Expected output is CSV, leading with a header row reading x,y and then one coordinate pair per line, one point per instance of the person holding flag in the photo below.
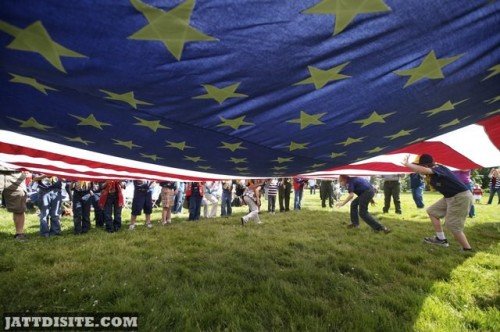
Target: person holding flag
x,y
453,207
359,205
49,202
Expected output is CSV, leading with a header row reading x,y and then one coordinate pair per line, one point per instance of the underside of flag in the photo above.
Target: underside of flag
x,y
217,89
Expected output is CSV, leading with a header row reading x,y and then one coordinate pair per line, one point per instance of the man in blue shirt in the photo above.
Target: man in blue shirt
x,y
365,192
454,206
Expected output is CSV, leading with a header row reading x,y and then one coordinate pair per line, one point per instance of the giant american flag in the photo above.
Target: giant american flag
x,y
209,89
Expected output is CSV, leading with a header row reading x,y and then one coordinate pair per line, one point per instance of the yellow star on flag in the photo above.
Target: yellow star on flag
x,y
78,140
35,38
431,68
305,120
154,125
495,70
205,168
337,154
351,140
297,146
320,77
179,145
492,100
346,11
317,165
234,123
31,123
90,121
453,122
171,28
127,144
237,160
151,156
220,95
448,106
280,160
127,97
31,82
241,169
401,133
420,139
493,112
279,168
233,147
193,159
373,118
376,149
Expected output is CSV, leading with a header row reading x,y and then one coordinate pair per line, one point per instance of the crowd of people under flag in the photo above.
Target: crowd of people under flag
x,y
53,196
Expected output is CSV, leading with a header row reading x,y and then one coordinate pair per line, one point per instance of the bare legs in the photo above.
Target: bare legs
x,y
459,236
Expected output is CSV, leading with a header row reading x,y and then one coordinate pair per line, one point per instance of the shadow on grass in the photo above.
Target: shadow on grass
x,y
299,270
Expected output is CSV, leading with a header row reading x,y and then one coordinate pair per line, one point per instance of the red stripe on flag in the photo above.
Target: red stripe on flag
x,y
492,129
441,153
13,149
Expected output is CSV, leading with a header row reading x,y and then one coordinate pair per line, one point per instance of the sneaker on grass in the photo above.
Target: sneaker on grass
x,y
20,237
149,225
131,227
437,241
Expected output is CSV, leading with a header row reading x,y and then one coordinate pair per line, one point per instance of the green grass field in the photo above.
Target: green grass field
x,y
299,271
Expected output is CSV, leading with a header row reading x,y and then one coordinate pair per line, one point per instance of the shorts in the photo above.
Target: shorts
x,y
167,197
454,210
13,191
142,201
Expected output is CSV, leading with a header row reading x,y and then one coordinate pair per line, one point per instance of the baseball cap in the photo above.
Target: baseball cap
x,y
424,159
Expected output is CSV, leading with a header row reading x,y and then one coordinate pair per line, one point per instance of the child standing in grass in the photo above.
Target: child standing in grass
x,y
454,206
194,194
168,192
111,202
81,206
142,201
49,202
477,192
272,192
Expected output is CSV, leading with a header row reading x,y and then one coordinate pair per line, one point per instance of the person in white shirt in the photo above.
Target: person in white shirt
x,y
311,183
213,192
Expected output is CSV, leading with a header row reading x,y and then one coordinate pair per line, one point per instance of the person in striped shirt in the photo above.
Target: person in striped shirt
x,y
272,192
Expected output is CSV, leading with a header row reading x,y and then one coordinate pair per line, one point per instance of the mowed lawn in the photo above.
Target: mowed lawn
x,y
300,270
